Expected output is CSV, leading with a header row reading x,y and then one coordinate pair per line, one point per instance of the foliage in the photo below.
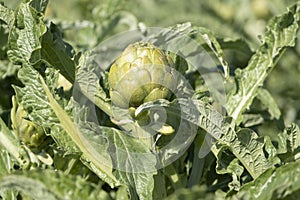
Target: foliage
x,y
61,137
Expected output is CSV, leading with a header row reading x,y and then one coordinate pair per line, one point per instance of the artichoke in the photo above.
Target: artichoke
x,y
28,132
141,74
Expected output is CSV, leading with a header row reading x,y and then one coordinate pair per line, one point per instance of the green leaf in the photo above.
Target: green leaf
x,y
7,69
39,5
30,41
249,149
6,167
43,109
185,39
133,161
9,142
289,142
87,83
6,15
6,163
138,169
227,165
238,45
36,104
141,185
24,37
273,184
244,144
82,143
292,134
250,120
281,33
23,155
266,98
57,53
215,47
50,184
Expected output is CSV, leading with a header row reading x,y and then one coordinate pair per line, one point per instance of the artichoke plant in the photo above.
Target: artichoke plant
x,y
141,74
28,132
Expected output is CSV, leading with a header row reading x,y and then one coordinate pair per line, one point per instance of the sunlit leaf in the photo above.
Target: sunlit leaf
x,y
281,33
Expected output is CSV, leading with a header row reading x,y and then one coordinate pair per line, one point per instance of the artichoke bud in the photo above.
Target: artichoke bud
x,y
141,74
28,132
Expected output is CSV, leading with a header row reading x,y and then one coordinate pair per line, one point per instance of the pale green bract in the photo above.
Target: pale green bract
x,y
28,132
141,74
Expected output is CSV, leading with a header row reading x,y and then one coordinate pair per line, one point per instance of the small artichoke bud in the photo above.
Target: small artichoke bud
x,y
28,132
142,73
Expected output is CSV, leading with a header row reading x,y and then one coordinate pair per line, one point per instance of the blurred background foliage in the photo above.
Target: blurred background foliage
x,y
85,23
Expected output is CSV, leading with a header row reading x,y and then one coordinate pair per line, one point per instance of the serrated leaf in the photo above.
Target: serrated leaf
x,y
44,110
186,34
138,169
39,5
244,144
140,185
6,15
292,134
249,149
30,41
37,105
281,33
133,169
87,83
228,164
50,184
192,43
273,184
24,37
81,142
289,142
133,161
